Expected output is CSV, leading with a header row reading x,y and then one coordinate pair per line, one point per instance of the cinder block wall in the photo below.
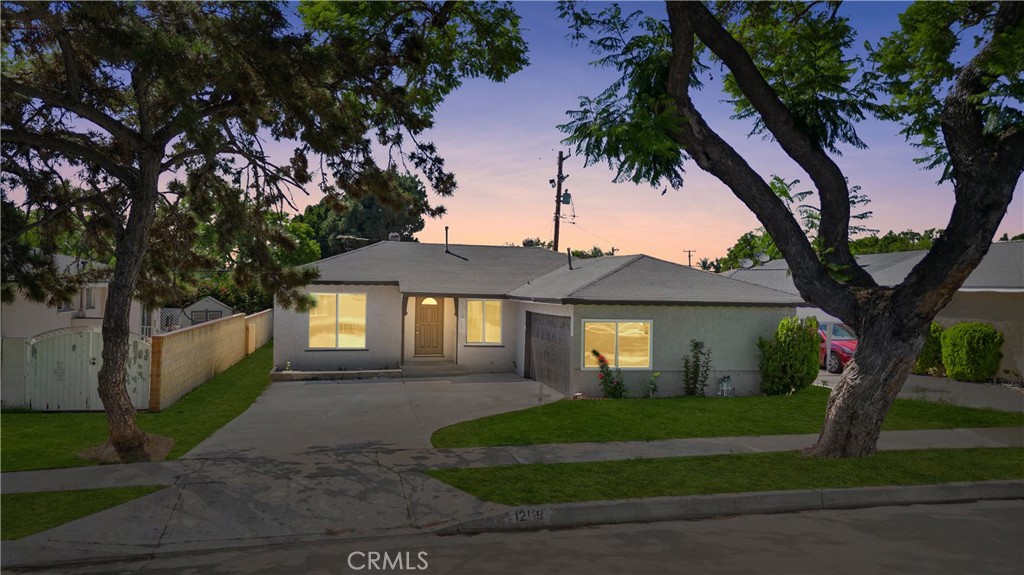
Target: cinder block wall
x,y
258,329
187,358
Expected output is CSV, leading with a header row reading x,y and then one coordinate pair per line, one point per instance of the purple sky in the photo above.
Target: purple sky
x,y
501,141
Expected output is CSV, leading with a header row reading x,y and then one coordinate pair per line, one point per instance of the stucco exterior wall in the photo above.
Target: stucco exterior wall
x,y
13,367
383,334
490,358
1005,311
24,318
729,332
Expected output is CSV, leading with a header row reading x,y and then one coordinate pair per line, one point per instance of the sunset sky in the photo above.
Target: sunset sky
x,y
502,142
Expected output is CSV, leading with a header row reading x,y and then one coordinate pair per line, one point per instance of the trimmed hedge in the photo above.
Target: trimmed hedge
x,y
971,351
789,361
929,362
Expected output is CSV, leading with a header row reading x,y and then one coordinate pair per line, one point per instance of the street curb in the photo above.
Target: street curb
x,y
571,515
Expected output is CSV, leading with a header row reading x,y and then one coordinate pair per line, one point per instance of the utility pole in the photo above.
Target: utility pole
x,y
689,257
557,184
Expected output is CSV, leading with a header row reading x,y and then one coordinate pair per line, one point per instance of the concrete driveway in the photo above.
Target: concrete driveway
x,y
297,418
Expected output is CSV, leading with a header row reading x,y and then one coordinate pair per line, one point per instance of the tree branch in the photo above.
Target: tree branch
x,y
111,125
714,155
798,145
73,149
986,167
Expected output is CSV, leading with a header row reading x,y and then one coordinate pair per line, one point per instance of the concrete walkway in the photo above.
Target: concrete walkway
x,y
325,460
221,502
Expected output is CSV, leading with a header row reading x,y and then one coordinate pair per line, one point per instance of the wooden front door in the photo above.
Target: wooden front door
x,y
429,326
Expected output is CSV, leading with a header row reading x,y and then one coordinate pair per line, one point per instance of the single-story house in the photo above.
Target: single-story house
x,y
206,309
477,309
25,318
993,293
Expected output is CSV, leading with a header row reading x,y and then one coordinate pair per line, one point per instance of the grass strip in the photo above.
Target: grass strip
x,y
24,514
679,417
33,440
699,475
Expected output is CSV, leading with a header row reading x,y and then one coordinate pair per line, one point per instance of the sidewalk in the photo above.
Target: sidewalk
x,y
223,502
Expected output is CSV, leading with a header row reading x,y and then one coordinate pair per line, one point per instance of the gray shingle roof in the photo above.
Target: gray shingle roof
x,y
642,279
426,269
1002,268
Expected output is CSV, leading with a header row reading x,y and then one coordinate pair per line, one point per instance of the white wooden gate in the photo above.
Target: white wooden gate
x,y
63,368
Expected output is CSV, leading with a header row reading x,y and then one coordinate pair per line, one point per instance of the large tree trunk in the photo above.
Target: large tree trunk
x,y
866,389
125,436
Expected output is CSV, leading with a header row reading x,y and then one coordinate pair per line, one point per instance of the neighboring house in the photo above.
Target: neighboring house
x,y
993,293
206,309
52,355
526,310
24,318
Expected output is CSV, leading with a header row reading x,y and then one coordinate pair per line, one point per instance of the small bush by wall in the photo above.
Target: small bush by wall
x,y
929,362
971,351
789,361
696,368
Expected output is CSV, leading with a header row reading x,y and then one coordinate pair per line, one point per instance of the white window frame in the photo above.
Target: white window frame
x,y
90,298
483,323
586,352
337,315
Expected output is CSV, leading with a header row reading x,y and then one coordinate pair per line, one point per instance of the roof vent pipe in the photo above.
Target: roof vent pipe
x,y
446,240
568,254
394,237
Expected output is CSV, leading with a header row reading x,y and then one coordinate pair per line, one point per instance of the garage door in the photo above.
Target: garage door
x,y
548,345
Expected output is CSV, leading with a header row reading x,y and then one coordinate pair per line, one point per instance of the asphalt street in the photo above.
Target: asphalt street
x,y
982,537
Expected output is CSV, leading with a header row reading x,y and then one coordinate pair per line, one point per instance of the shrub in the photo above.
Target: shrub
x,y
789,361
930,360
971,351
612,385
696,368
652,384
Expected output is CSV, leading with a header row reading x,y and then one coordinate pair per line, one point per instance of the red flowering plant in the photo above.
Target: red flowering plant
x,y
610,380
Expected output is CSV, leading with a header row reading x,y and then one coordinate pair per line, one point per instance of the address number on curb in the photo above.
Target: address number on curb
x,y
527,515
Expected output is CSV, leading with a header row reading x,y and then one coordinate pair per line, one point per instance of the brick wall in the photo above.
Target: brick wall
x,y
187,358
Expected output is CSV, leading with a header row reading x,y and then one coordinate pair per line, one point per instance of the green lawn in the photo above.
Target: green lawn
x,y
22,514
566,482
668,418
51,440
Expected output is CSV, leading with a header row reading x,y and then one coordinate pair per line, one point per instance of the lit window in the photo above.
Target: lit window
x,y
338,321
625,344
483,321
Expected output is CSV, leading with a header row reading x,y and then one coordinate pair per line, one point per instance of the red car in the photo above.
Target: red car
x,y
844,344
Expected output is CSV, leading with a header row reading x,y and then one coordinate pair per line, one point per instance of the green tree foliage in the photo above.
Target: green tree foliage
x,y
758,242
951,75
593,252
971,351
905,241
143,120
929,362
1007,238
789,361
340,226
696,369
